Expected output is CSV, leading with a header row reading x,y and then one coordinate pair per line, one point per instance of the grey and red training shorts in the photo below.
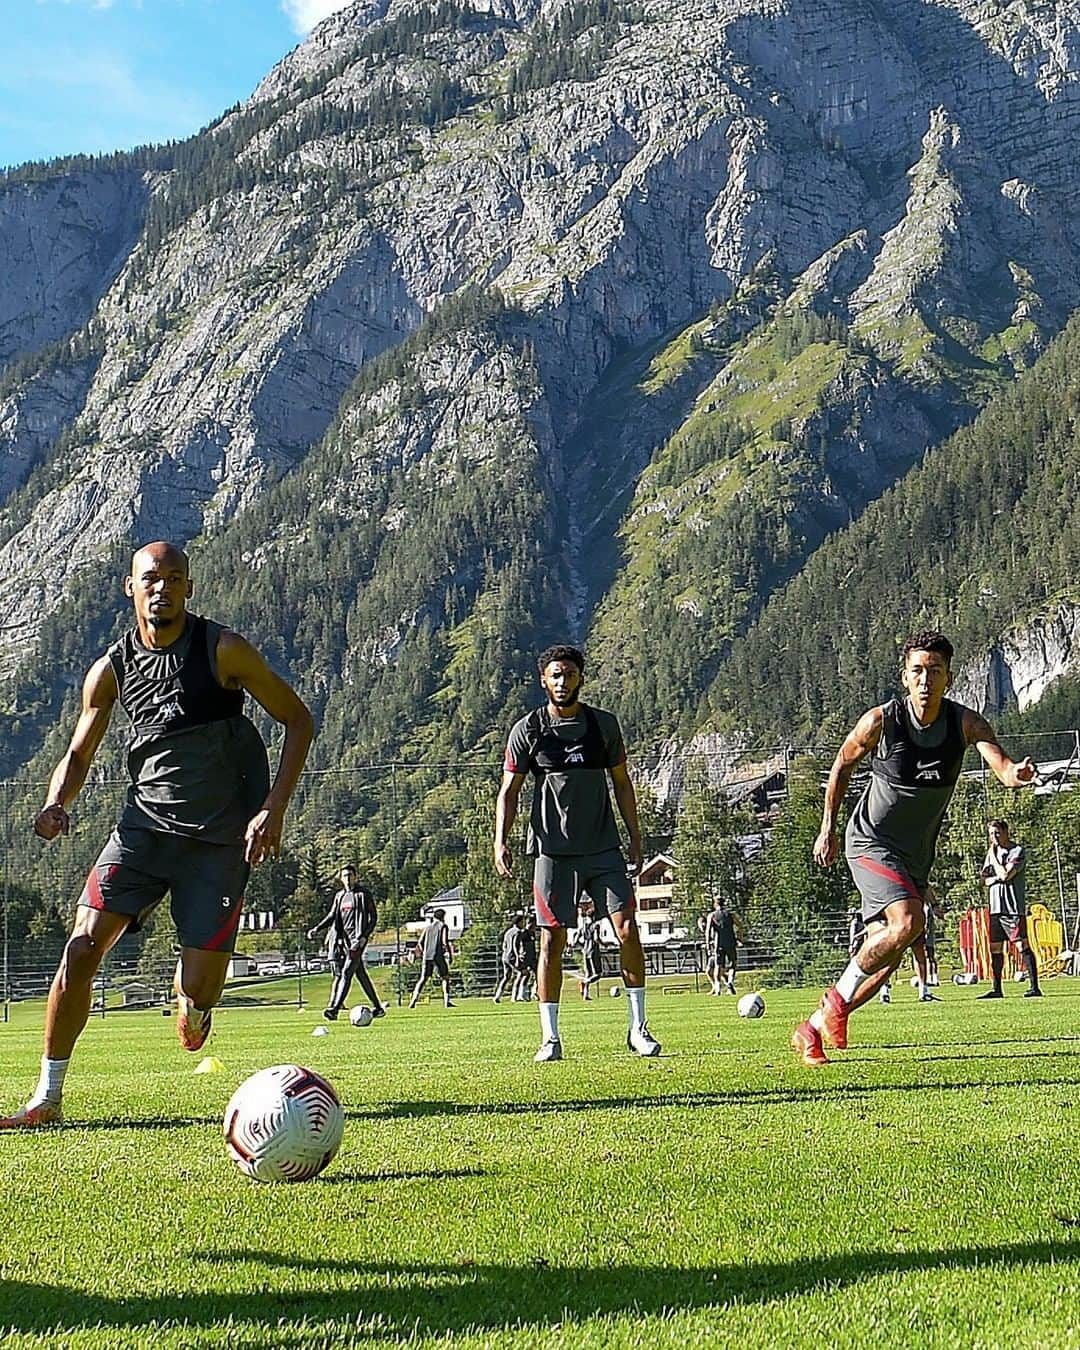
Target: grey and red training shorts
x,y
137,868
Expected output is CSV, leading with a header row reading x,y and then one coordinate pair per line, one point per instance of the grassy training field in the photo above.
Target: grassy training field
x,y
923,1190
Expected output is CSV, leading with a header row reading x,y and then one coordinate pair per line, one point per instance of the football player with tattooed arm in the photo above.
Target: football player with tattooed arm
x,y
916,747
200,809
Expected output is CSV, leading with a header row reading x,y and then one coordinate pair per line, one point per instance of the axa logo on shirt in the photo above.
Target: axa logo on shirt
x,y
171,710
575,755
931,769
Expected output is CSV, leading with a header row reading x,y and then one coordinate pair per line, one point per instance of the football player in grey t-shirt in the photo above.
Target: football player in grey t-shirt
x,y
916,749
572,750
1003,873
436,952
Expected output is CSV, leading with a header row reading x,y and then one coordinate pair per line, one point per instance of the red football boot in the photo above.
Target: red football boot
x,y
806,1042
192,1024
33,1115
834,1016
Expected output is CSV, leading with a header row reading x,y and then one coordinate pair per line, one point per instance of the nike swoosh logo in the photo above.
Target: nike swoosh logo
x,y
928,764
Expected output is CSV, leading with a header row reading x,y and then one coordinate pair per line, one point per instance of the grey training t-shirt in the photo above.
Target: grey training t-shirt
x,y
433,939
571,805
1007,897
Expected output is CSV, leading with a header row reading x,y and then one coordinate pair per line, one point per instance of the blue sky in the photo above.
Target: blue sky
x,y
87,76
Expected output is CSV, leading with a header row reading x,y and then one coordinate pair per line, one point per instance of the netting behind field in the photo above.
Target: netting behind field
x,y
741,825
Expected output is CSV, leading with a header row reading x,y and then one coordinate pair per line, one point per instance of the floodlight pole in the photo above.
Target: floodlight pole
x,y
394,881
1061,889
7,907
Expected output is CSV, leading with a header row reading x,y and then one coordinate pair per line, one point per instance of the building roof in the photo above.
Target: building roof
x,y
451,897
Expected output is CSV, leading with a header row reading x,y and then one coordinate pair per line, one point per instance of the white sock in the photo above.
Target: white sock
x,y
852,980
549,1021
51,1083
635,1005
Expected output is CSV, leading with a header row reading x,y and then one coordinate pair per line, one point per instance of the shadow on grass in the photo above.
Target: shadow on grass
x,y
838,1092
438,1299
138,1123
1072,1041
436,1174
823,1091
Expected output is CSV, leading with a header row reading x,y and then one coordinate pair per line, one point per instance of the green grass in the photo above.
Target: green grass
x,y
924,1190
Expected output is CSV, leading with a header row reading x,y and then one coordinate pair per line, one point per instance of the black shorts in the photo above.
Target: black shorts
x,y
433,964
559,883
725,956
1008,928
206,882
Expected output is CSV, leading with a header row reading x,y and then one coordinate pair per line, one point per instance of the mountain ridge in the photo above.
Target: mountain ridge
x,y
733,267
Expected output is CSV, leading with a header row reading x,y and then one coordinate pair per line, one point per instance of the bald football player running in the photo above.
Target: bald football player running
x,y
916,748
200,809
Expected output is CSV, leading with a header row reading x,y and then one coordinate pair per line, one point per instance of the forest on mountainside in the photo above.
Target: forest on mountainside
x,y
984,533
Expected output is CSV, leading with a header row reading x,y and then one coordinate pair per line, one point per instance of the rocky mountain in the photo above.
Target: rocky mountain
x,y
484,322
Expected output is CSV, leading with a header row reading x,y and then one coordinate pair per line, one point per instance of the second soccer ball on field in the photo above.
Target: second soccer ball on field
x,y
751,1005
361,1016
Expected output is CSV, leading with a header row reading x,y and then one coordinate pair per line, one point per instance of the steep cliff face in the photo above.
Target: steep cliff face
x,y
62,242
1018,670
760,255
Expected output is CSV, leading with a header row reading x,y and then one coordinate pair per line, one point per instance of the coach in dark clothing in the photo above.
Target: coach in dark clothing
x,y
353,918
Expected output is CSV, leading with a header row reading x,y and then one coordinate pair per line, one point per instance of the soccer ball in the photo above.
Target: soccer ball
x,y
283,1124
360,1016
615,991
751,1005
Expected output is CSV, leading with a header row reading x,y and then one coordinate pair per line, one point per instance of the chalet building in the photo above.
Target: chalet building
x,y
655,884
457,913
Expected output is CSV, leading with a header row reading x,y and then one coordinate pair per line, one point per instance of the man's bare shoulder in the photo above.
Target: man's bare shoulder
x,y
975,725
867,729
99,685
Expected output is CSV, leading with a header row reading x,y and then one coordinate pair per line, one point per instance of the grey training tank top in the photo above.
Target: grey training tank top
x,y
197,765
913,773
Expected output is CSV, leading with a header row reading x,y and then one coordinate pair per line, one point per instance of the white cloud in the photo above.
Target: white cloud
x,y
305,14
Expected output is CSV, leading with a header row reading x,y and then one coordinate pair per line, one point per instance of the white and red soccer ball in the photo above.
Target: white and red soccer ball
x,y
283,1124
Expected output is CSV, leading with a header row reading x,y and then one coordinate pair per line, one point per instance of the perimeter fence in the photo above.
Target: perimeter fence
x,y
716,822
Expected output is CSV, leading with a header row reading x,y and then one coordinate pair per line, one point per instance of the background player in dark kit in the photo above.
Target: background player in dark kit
x,y
353,917
1003,872
513,961
436,953
723,932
